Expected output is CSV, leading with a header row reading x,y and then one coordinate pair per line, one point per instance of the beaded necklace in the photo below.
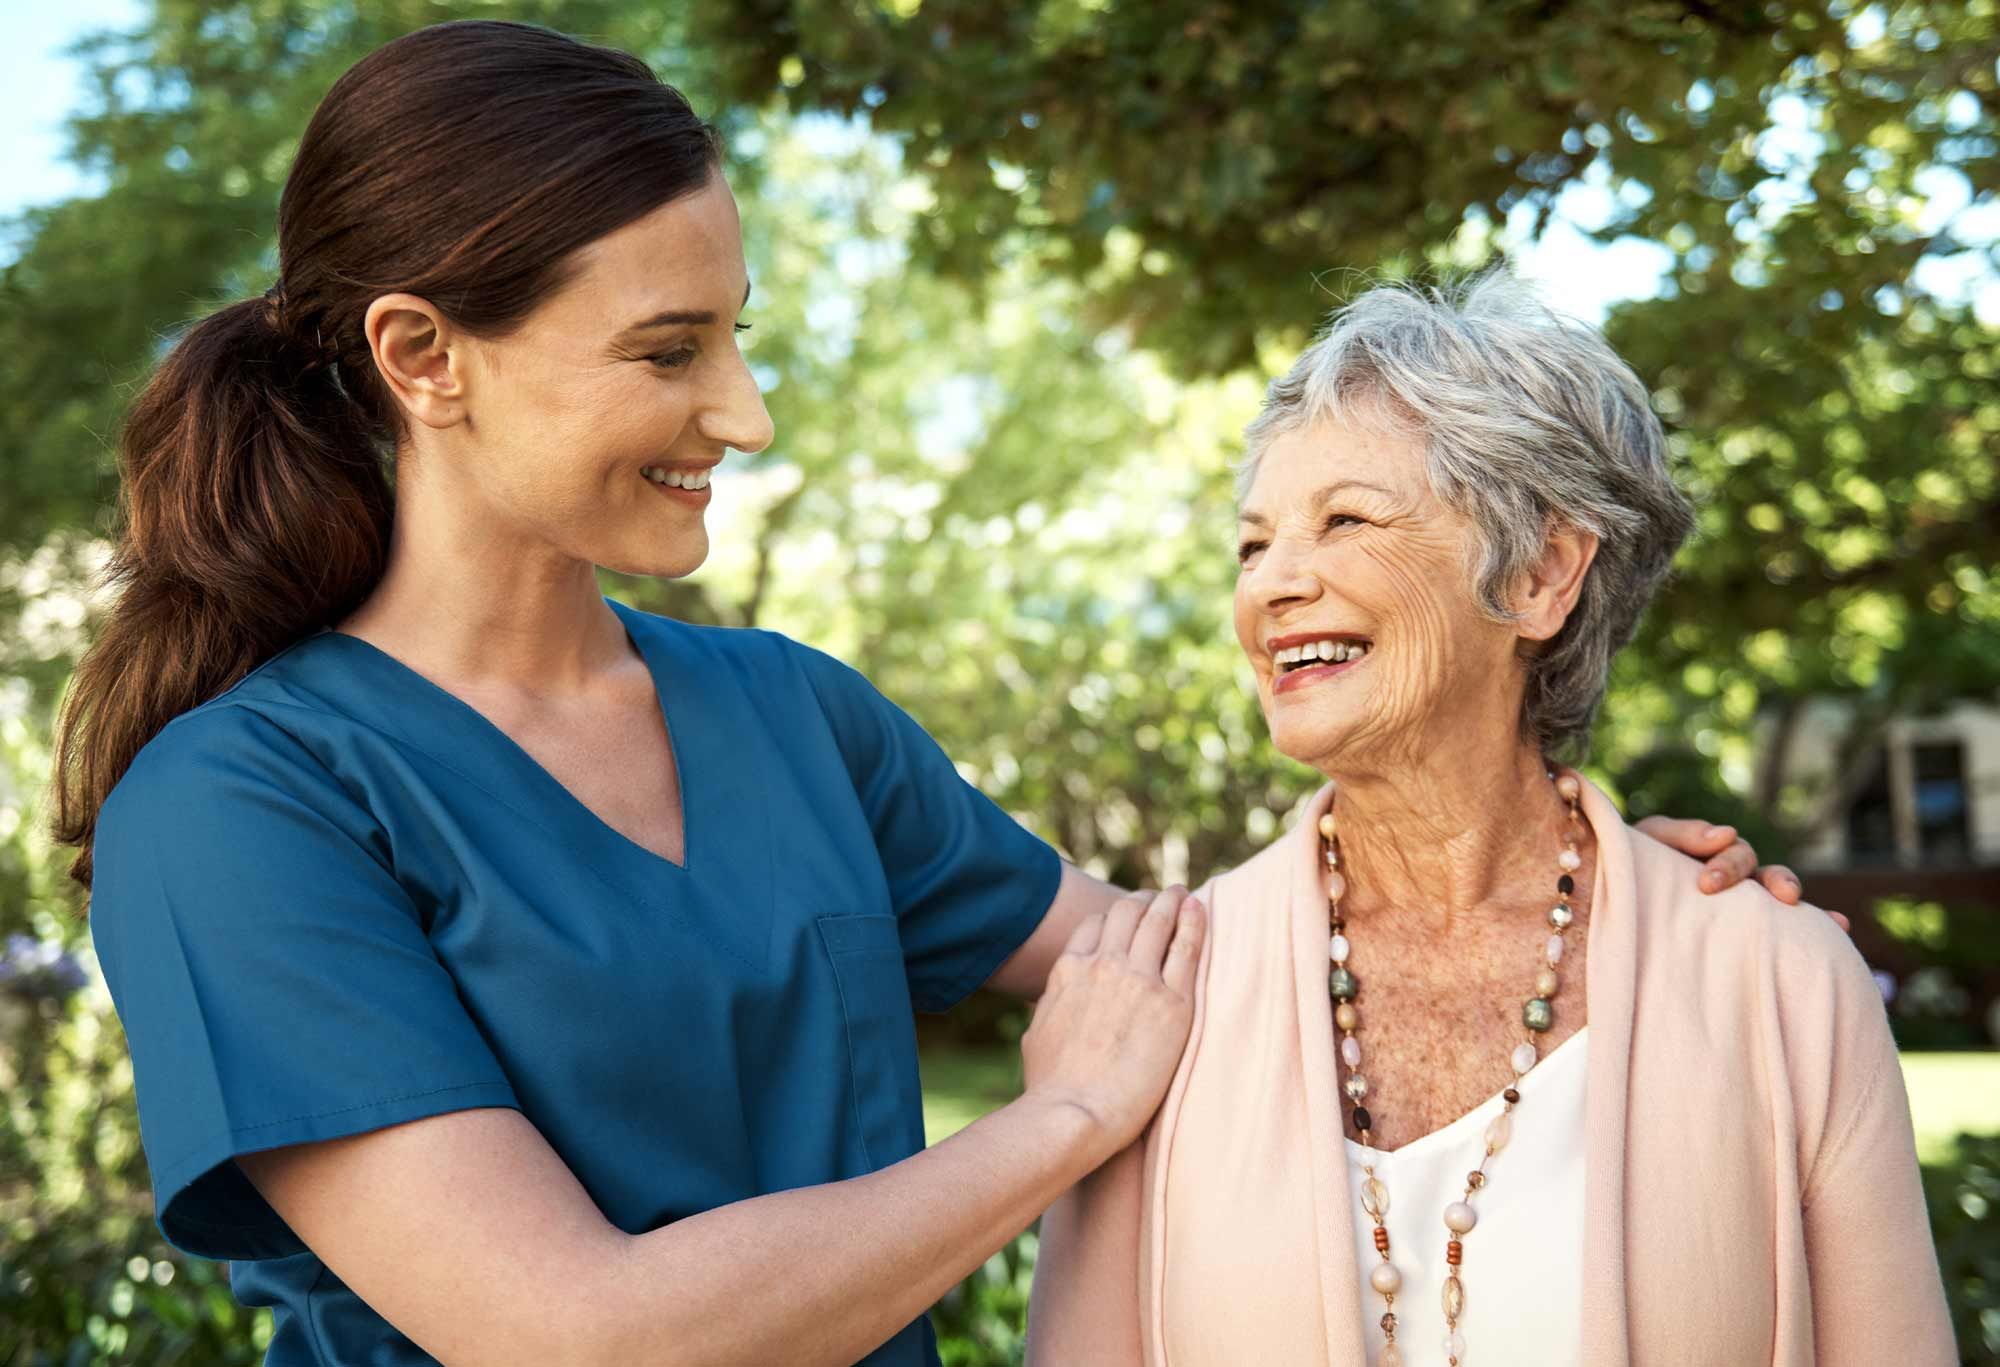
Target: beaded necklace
x,y
1537,1016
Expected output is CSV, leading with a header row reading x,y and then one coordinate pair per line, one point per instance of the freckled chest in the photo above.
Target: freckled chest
x,y
1439,1018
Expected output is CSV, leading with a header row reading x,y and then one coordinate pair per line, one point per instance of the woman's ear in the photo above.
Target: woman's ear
x,y
416,357
1548,592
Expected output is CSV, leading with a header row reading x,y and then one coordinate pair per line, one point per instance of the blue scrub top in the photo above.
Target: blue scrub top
x,y
336,898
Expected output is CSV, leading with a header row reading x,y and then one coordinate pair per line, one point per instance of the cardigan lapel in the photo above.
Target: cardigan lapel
x,y
1340,1283
1610,998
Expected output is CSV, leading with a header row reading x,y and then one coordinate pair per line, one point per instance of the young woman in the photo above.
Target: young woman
x,y
512,976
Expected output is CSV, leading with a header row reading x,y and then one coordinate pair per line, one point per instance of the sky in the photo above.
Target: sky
x,y
1575,273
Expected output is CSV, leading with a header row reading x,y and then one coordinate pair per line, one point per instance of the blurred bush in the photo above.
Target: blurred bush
x,y
1954,950
1964,1199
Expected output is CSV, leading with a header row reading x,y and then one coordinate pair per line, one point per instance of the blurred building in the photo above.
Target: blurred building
x,y
1914,816
1919,805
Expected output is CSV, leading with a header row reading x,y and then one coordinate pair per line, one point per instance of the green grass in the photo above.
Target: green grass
x,y
961,1085
1950,1094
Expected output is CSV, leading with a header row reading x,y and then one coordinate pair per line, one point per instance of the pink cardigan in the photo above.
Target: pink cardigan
x,y
1751,1189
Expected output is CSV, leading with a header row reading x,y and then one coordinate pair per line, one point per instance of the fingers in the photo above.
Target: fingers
x,y
1697,838
1083,940
1729,868
1783,884
1184,954
1120,923
1156,927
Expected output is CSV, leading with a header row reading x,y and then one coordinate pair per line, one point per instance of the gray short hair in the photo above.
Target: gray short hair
x,y
1527,418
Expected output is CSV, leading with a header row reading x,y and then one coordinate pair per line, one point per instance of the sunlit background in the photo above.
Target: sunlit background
x,y
1020,274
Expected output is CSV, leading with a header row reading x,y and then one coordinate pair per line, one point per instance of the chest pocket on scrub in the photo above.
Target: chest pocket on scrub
x,y
867,957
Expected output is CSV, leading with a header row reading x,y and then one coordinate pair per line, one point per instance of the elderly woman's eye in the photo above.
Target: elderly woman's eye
x,y
1349,519
1246,550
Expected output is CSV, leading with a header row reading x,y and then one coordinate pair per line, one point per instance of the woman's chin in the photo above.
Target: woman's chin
x,y
1310,736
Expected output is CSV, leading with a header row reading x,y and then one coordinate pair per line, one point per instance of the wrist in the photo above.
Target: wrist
x,y
1068,1128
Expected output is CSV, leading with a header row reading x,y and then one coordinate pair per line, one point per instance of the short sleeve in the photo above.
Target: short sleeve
x,y
274,979
969,884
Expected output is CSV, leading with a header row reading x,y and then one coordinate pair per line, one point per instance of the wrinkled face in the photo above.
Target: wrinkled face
x,y
1356,604
597,425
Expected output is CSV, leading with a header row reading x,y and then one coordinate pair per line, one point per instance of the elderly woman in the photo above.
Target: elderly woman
x,y
1541,1103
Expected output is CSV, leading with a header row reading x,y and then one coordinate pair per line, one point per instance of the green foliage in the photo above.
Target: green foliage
x,y
1020,272
1964,1198
1956,953
982,1322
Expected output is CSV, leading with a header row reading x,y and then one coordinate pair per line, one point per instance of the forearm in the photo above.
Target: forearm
x,y
822,1275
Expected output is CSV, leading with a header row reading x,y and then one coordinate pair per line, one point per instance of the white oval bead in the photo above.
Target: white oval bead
x,y
1385,1279
1555,950
1524,1058
1499,1132
1392,1356
1336,886
1350,1051
1570,860
1338,947
1374,1197
1459,1217
1326,825
1454,1347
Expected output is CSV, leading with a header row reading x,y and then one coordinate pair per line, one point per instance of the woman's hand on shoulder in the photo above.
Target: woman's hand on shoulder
x,y
1108,1033
1727,859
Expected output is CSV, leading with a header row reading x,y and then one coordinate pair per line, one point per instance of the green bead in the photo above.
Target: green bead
x,y
1342,984
1537,1014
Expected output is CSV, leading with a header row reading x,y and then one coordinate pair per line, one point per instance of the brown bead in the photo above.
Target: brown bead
x,y
1453,1251
1346,1016
1389,1322
1511,1097
1475,1179
1381,1240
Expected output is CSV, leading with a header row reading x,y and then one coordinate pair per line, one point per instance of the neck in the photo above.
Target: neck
x,y
1443,846
464,603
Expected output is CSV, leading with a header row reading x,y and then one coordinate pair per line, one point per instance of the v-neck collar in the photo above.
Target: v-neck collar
x,y
1612,959
431,719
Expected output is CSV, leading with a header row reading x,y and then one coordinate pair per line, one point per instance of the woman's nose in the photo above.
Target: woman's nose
x,y
1282,578
738,418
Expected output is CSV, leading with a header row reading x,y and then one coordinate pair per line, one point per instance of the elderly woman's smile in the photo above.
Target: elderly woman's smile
x,y
1357,603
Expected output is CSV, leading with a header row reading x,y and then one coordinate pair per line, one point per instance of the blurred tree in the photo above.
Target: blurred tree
x,y
1020,270
1199,166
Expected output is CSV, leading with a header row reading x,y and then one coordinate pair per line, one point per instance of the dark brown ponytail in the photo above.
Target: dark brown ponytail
x,y
464,163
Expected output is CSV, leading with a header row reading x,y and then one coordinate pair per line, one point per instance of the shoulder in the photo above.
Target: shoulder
x,y
1251,884
231,774
1743,926
1758,970
753,652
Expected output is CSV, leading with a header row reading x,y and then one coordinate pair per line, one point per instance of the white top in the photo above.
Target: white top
x,y
1523,1262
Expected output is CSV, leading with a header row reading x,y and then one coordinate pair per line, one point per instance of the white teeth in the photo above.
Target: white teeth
x,y
676,479
1330,650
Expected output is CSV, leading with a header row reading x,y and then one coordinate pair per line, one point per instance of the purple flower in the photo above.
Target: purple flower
x,y
37,968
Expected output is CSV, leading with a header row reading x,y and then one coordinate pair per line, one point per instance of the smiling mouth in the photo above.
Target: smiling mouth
x,y
687,485
1295,666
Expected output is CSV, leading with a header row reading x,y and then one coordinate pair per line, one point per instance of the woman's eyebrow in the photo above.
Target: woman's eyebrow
x,y
678,318
1318,496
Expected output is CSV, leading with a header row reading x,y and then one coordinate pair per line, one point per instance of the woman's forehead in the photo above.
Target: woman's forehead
x,y
1320,459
